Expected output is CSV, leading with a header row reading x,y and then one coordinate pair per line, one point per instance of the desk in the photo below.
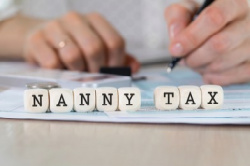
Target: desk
x,y
40,143
52,143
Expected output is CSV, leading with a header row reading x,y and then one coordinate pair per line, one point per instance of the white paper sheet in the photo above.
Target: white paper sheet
x,y
11,103
236,109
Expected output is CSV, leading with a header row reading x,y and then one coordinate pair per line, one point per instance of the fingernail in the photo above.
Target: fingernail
x,y
174,30
177,49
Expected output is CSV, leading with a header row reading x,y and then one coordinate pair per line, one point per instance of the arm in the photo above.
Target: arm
x,y
13,33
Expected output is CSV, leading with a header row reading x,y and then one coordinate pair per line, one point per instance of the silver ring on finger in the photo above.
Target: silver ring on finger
x,y
62,44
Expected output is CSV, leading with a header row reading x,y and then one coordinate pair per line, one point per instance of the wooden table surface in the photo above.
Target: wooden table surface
x,y
59,143
52,143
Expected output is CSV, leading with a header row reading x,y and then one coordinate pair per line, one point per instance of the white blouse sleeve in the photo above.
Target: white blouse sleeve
x,y
8,8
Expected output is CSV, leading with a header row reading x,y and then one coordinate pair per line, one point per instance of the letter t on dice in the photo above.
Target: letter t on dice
x,y
166,97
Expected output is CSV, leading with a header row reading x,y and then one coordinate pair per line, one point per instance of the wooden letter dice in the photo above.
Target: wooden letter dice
x,y
212,96
129,99
190,97
36,100
106,99
61,100
166,98
84,99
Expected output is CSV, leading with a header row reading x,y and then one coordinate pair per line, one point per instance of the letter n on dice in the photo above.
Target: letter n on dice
x,y
36,100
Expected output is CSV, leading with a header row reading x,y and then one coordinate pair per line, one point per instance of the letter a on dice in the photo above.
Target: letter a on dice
x,y
190,97
212,96
129,99
36,100
61,100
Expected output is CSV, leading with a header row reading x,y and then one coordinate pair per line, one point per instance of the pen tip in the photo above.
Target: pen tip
x,y
169,69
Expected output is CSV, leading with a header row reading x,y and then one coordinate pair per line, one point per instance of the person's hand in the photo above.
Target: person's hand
x,y
77,42
217,43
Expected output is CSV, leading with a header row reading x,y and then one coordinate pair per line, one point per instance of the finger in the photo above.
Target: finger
x,y
239,74
113,41
29,57
178,16
70,54
200,70
219,46
89,42
132,63
43,54
230,60
211,20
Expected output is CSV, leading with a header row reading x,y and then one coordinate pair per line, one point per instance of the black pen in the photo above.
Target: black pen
x,y
175,61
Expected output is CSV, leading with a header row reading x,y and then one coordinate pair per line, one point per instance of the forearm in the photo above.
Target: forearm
x,y
13,33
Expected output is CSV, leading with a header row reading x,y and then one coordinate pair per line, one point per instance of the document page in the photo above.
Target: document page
x,y
236,108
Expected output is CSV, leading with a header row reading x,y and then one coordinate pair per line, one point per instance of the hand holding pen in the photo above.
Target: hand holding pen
x,y
216,44
175,61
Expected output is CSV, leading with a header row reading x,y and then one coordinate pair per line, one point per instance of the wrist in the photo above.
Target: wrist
x,y
14,32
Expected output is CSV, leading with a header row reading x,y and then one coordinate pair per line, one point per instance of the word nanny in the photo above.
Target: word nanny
x,y
123,99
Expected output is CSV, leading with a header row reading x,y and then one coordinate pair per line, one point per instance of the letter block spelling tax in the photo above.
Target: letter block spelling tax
x,y
212,96
190,97
166,97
